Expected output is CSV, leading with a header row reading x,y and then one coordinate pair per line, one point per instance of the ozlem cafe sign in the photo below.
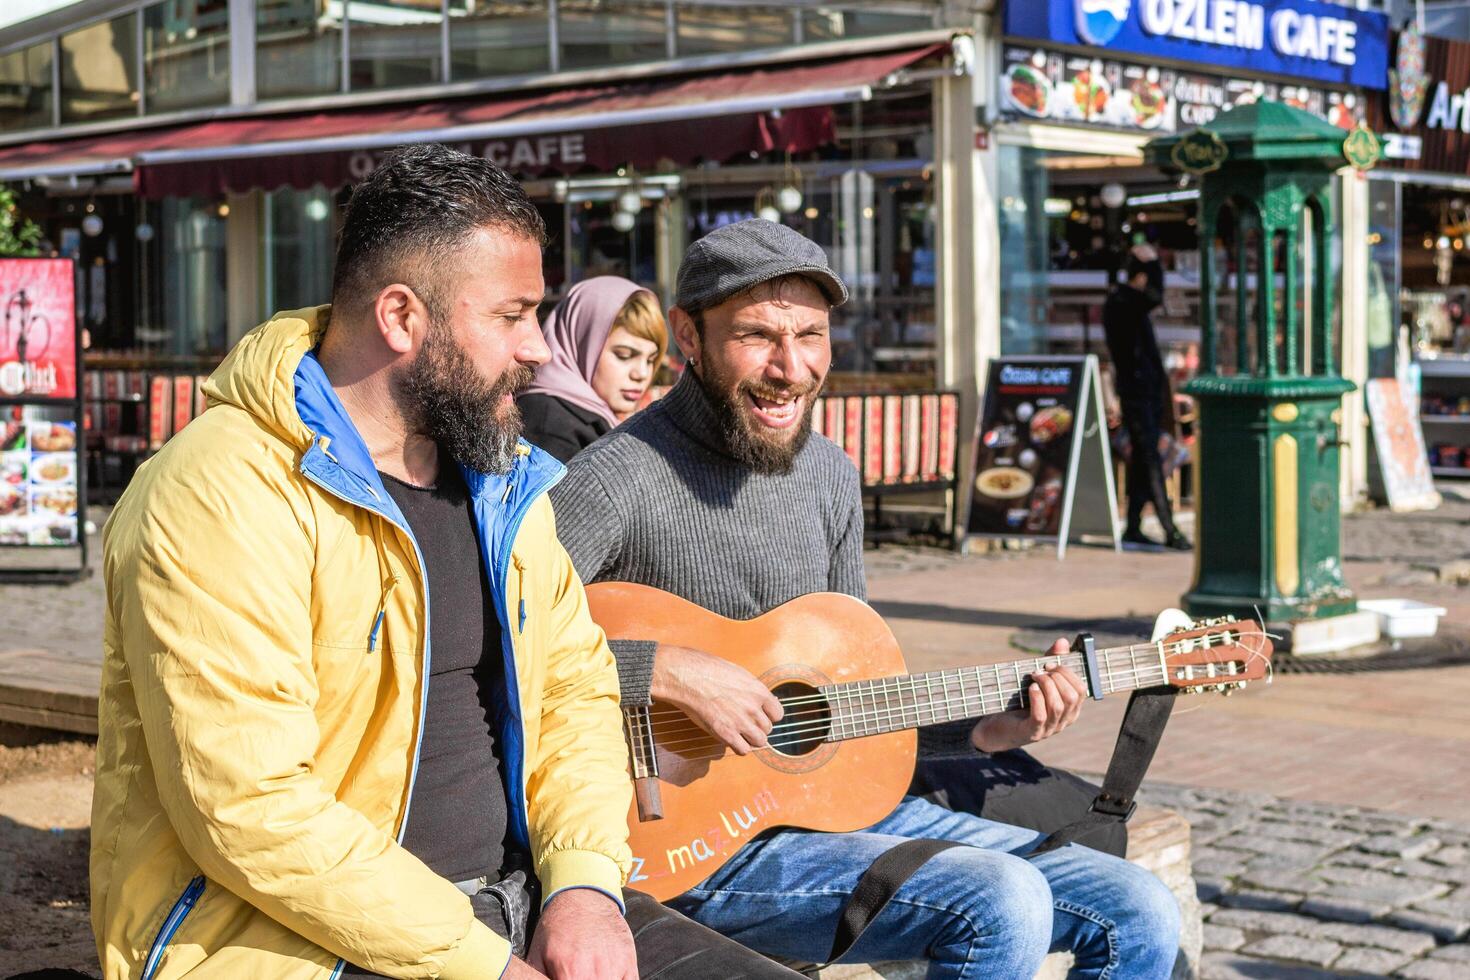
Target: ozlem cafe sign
x,y
1245,25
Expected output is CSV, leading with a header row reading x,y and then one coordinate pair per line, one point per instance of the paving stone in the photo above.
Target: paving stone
x,y
1342,909
1379,962
1233,966
1399,940
1404,848
1441,927
1296,850
1359,859
1307,833
1454,874
1279,863
1453,855
1432,970
1456,952
1280,881
1218,864
1457,907
1266,901
1223,937
1318,952
1369,885
1276,923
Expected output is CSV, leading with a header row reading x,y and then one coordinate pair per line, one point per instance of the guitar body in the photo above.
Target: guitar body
x,y
715,801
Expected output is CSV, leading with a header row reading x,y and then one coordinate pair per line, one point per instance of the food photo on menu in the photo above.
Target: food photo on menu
x,y
1021,467
38,483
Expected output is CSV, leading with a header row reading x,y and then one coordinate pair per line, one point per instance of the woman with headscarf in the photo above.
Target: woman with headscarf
x,y
607,338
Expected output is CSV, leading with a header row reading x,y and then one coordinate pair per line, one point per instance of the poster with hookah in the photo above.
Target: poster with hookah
x,y
38,330
40,460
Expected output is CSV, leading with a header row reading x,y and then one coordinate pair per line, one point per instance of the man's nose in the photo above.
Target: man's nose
x,y
786,362
533,349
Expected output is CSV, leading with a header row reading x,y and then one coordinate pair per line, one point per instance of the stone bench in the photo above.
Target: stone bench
x,y
1158,840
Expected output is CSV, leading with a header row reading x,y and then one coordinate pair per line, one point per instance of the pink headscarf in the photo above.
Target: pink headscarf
x,y
576,331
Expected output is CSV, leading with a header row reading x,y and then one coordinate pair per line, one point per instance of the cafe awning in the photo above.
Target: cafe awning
x,y
709,116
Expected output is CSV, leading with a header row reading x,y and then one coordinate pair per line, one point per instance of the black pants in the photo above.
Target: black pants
x,y
1144,419
1012,787
669,946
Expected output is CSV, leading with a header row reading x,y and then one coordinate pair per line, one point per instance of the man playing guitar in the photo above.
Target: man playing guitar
x,y
719,494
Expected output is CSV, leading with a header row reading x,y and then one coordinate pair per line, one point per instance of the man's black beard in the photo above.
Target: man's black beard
x,y
451,402
745,438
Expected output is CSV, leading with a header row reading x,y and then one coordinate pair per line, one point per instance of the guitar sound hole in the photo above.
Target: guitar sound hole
x,y
807,721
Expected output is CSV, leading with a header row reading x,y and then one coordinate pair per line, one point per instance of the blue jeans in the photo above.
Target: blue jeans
x,y
977,911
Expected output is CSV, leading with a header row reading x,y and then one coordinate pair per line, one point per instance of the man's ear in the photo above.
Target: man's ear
x,y
401,317
685,334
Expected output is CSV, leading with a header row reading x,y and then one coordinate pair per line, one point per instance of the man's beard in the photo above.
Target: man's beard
x,y
447,398
751,443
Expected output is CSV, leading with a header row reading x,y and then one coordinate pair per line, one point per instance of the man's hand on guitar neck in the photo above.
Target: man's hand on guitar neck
x,y
1055,696
724,699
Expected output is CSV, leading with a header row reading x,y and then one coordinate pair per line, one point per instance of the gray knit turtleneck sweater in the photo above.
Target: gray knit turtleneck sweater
x,y
660,502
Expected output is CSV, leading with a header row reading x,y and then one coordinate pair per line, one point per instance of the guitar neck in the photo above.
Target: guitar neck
x,y
890,704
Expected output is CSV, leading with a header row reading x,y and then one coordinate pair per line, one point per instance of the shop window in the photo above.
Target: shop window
x,y
715,27
297,235
99,71
394,43
186,54
611,32
25,88
194,312
1385,241
487,40
1025,250
298,48
835,22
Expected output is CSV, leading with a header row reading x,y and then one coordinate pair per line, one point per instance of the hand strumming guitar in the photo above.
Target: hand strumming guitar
x,y
724,699
1056,697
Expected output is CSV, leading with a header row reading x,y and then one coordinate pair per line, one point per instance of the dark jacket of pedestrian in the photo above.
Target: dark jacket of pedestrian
x,y
1128,326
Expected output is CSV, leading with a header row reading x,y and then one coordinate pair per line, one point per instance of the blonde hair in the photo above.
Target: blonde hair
x,y
642,318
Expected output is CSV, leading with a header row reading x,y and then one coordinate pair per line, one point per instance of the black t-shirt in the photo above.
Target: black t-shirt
x,y
457,811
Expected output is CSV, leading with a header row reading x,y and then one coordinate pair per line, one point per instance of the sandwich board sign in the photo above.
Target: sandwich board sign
x,y
1043,469
1398,442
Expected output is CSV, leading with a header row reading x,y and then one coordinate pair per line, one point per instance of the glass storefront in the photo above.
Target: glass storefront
x,y
192,310
186,54
711,28
298,49
297,241
489,40
25,88
393,44
99,71
835,22
611,32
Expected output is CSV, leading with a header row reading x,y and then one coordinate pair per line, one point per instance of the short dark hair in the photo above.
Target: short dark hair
x,y
405,222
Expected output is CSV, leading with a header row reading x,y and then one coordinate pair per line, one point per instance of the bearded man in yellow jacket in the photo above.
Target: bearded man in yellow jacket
x,y
292,780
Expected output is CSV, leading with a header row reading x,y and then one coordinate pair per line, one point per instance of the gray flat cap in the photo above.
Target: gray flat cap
x,y
734,258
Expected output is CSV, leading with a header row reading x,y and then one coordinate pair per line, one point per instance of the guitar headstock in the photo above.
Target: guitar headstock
x,y
1217,655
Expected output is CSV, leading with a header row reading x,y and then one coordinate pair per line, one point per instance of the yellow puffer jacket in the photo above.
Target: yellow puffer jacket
x,y
266,646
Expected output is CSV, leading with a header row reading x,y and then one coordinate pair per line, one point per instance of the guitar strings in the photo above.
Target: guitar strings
x,y
878,713
890,685
872,711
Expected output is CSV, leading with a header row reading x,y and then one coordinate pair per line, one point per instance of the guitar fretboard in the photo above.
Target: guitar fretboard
x,y
890,704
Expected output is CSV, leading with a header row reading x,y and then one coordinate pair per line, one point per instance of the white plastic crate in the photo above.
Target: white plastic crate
x,y
1403,618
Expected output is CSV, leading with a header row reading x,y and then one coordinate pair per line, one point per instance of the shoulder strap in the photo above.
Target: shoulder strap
x,y
878,885
1143,726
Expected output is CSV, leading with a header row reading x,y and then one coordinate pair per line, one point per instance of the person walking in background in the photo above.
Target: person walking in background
x,y
1143,390
607,338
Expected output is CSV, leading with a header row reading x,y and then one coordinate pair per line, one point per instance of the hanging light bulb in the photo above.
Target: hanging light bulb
x,y
1441,243
788,199
765,205
623,221
630,201
812,213
144,232
92,225
316,209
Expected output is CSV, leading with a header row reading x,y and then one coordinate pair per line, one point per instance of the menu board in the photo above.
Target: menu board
x,y
1399,444
1059,87
42,463
38,481
38,333
1025,447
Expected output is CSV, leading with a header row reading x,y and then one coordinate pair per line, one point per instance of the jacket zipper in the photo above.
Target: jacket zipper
x,y
171,924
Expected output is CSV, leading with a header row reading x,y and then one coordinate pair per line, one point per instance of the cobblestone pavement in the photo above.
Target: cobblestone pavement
x,y
1306,890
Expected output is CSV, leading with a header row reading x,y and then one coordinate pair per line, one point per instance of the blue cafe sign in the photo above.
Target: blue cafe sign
x,y
1297,38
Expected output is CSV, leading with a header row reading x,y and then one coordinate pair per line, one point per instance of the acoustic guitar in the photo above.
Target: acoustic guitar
x,y
842,756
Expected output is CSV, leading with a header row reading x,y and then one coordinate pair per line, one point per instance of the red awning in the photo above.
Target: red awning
x,y
713,116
